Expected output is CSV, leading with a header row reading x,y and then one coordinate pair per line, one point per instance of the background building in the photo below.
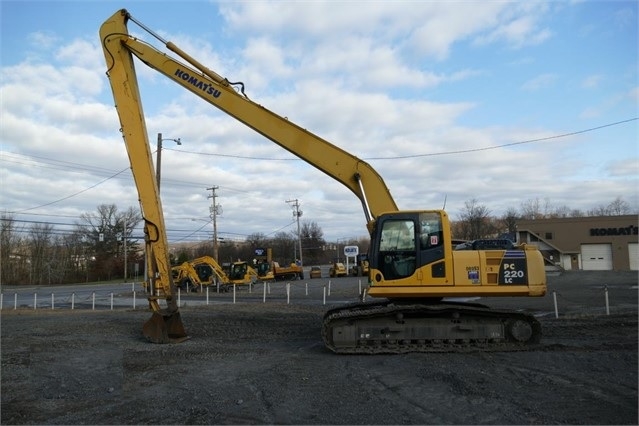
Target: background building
x,y
601,243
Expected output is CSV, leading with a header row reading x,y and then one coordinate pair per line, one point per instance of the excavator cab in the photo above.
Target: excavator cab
x,y
406,244
412,256
238,270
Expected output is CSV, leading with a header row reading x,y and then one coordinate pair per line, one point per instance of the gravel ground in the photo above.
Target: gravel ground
x,y
265,363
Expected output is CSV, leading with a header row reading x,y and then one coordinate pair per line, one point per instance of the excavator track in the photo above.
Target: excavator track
x,y
393,327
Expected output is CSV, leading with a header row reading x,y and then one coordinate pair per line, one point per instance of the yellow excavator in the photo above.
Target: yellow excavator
x,y
241,273
413,269
204,271
186,277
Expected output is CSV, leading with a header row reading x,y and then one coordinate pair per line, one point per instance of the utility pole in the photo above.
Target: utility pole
x,y
297,213
214,210
124,244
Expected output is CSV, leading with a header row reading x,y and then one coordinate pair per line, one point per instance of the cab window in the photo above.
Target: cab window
x,y
397,249
431,233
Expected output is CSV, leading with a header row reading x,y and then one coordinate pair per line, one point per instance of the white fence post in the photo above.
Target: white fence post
x,y
52,301
111,300
35,300
607,302
554,297
93,301
72,301
15,301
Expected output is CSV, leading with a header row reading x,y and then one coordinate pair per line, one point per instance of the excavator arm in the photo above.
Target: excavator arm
x,y
120,47
165,325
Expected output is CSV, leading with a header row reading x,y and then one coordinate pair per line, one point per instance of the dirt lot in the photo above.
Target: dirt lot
x,y
264,363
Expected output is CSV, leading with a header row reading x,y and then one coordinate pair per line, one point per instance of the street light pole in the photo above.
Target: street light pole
x,y
158,161
158,168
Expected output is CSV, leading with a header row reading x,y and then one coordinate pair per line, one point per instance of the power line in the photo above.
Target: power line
x,y
72,195
464,151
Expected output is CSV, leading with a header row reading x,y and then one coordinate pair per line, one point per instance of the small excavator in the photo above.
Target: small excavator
x,y
413,270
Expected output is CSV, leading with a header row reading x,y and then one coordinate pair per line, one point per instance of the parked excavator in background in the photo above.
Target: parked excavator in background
x,y
264,270
186,277
206,272
412,265
241,273
360,268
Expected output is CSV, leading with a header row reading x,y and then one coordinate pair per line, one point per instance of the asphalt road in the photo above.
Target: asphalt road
x,y
569,293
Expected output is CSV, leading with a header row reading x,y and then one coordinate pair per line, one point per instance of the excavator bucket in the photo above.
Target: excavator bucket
x,y
165,328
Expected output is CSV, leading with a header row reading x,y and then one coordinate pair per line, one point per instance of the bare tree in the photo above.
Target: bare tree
x,y
561,211
75,258
617,207
257,240
534,209
475,221
40,244
14,259
104,230
509,220
312,242
283,245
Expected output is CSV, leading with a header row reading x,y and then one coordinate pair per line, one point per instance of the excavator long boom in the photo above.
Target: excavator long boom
x,y
119,46
411,259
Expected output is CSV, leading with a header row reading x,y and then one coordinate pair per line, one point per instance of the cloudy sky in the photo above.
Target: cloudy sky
x,y
501,102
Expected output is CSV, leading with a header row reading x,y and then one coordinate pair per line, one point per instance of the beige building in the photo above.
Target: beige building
x,y
602,243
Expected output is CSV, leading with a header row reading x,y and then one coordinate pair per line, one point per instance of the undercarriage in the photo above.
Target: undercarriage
x,y
393,326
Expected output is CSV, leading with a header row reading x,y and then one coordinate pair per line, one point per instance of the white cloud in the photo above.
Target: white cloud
x,y
626,168
539,82
591,81
42,40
